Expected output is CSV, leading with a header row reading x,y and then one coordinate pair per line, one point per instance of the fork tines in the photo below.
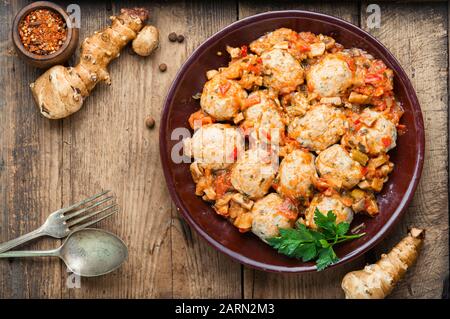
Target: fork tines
x,y
90,211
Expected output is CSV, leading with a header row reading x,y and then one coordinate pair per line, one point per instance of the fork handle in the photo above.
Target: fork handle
x,y
30,253
21,240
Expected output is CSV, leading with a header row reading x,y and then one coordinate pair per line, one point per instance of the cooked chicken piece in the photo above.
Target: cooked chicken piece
x,y
282,72
374,135
267,217
263,118
296,175
330,76
337,168
319,128
325,204
301,45
215,146
253,173
222,98
296,104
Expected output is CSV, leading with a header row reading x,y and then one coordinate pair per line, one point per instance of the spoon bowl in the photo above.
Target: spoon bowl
x,y
87,252
93,252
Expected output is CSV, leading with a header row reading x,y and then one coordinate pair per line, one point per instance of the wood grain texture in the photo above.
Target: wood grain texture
x,y
30,157
312,285
45,165
417,36
107,145
198,270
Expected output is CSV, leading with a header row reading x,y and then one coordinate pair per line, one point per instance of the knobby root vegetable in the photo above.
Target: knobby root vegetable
x,y
376,281
60,91
146,41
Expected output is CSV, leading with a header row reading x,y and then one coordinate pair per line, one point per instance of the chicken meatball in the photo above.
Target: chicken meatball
x,y
337,168
214,146
330,76
282,72
296,175
222,98
376,134
264,118
322,126
267,217
325,204
253,173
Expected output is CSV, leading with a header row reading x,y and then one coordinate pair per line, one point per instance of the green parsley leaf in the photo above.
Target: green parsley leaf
x,y
307,244
342,228
327,256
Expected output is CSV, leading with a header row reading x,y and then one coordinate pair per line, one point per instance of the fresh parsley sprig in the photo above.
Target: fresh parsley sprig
x,y
307,244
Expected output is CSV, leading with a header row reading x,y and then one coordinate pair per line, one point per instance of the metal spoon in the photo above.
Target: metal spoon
x,y
88,252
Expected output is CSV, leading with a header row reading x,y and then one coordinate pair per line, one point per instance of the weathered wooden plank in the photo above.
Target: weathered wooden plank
x,y
198,270
325,284
417,36
108,146
30,175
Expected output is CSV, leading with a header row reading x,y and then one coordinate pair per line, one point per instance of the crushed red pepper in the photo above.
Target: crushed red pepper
x,y
43,31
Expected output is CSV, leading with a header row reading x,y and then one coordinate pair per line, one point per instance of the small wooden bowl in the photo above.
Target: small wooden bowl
x,y
45,61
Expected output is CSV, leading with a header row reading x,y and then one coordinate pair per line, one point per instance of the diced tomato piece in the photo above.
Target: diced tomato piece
x,y
222,183
254,68
244,51
358,126
259,60
364,170
351,64
251,101
224,88
303,47
288,209
235,153
387,141
373,78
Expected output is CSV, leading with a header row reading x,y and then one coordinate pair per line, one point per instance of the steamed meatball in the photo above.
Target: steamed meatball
x,y
222,98
376,135
324,204
337,167
267,217
296,175
330,76
264,118
214,146
282,72
319,128
253,173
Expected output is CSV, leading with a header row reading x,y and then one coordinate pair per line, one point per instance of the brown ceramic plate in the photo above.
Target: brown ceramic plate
x,y
247,248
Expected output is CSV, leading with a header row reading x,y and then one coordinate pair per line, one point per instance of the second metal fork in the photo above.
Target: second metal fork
x,y
66,220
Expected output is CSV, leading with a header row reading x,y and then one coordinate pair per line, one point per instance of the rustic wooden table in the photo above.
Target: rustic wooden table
x,y
45,165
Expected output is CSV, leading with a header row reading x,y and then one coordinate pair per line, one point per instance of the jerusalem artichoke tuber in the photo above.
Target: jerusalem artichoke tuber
x,y
376,281
146,41
60,91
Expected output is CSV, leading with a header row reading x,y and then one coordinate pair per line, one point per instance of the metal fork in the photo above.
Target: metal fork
x,y
66,220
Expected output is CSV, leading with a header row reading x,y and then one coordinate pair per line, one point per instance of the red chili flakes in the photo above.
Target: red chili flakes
x,y
43,31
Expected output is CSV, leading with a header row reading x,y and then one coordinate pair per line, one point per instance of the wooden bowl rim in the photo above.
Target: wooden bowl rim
x,y
35,6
